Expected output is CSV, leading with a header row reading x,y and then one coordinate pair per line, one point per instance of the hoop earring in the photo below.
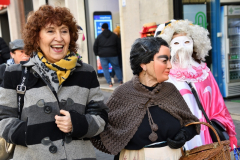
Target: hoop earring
x,y
144,73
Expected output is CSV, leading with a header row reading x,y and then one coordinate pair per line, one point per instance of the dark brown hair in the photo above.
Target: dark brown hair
x,y
143,51
48,15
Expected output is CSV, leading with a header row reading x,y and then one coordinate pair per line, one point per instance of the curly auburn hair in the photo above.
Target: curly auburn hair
x,y
48,15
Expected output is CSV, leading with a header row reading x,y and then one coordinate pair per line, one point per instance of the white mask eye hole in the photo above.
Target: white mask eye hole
x,y
176,43
186,42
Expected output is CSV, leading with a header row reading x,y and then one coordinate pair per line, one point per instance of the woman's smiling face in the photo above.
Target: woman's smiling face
x,y
54,42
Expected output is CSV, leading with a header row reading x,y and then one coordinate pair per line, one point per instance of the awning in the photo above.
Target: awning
x,y
5,2
3,6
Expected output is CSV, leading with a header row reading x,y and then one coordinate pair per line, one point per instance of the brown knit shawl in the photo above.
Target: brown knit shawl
x,y
127,107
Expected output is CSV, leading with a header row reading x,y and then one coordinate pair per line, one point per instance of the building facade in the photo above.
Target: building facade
x,y
130,15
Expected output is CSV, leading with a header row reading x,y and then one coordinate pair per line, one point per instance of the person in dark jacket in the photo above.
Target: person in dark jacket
x,y
2,70
4,51
17,55
107,47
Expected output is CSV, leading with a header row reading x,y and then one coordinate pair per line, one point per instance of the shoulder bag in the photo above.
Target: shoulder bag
x,y
220,129
7,149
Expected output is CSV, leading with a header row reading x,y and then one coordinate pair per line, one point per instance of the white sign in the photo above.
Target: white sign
x,y
233,10
123,3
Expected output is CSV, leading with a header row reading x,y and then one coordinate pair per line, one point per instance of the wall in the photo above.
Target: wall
x,y
59,3
14,20
132,17
77,8
38,3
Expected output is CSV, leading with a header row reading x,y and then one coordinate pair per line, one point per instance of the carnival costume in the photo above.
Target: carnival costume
x,y
200,76
131,104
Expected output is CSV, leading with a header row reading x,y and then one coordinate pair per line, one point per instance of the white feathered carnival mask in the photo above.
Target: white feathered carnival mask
x,y
198,36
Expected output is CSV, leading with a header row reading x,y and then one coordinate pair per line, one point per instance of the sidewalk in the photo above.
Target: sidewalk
x,y
104,86
233,107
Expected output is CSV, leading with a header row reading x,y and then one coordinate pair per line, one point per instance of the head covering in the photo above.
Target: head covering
x,y
16,44
117,29
161,27
201,41
105,26
148,29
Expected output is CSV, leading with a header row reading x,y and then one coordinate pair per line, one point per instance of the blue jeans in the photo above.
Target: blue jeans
x,y
114,62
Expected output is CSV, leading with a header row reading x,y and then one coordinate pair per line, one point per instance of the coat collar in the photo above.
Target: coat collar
x,y
28,63
32,61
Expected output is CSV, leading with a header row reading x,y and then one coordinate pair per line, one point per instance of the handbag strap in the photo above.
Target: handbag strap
x,y
21,89
199,103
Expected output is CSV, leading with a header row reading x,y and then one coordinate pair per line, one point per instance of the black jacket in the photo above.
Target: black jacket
x,y
107,44
2,70
4,51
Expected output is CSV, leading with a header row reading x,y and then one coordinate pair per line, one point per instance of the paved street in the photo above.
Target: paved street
x,y
233,109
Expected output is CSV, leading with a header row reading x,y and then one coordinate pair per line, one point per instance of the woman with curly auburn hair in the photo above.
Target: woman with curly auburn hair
x,y
57,106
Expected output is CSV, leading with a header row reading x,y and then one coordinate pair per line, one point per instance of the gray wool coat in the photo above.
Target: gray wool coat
x,y
40,107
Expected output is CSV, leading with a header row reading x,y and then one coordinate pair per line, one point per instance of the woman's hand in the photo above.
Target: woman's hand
x,y
178,141
64,122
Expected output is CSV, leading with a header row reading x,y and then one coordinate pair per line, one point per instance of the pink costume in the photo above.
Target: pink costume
x,y
208,92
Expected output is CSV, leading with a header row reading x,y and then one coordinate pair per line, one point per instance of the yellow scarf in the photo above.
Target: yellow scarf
x,y
62,67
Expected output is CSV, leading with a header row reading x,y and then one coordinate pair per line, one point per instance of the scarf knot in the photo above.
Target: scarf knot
x,y
63,67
